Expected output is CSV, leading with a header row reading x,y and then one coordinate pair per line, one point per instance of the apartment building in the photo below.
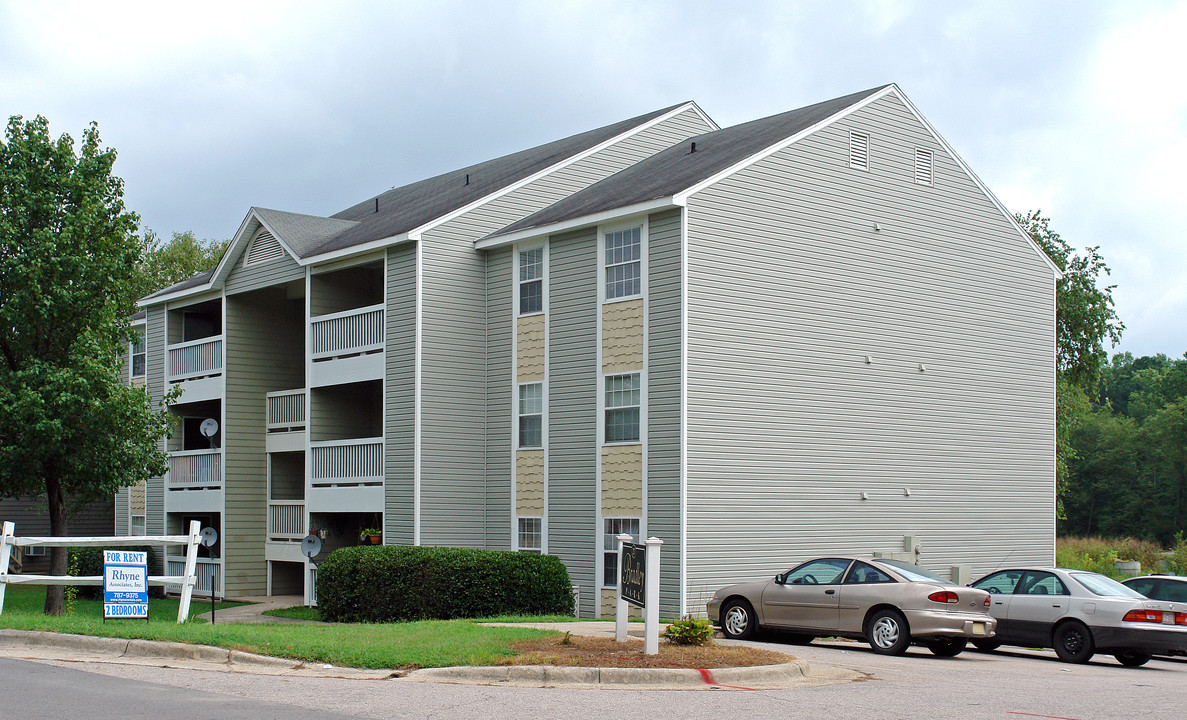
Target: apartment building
x,y
814,332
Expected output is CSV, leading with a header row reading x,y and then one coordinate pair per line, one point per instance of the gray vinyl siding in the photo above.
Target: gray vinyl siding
x,y
663,401
30,518
154,496
122,518
456,501
260,275
400,389
573,532
265,340
500,324
790,287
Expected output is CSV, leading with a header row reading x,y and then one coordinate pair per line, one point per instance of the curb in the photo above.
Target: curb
x,y
741,678
122,647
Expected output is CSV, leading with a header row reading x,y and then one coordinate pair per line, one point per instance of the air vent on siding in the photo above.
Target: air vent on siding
x,y
923,167
859,150
263,248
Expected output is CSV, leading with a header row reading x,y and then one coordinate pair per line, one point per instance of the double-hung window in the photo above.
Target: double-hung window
x,y
622,408
531,281
623,250
531,415
612,528
138,353
530,535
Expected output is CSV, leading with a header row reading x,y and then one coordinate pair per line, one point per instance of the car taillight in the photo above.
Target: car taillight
x,y
1154,616
943,596
986,603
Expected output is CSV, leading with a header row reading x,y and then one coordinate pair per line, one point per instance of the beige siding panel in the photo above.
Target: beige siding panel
x,y
622,480
136,495
529,349
788,424
529,482
609,603
622,336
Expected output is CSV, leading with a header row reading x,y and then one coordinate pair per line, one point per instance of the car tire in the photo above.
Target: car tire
x,y
947,646
1073,642
887,632
987,645
738,621
1129,658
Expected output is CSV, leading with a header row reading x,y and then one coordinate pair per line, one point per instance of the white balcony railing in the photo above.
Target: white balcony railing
x,y
286,410
196,470
195,359
347,463
347,333
286,519
209,571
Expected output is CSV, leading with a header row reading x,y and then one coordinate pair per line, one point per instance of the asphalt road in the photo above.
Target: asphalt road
x,y
1009,685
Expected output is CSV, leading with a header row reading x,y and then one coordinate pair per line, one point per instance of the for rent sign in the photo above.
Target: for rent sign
x,y
125,584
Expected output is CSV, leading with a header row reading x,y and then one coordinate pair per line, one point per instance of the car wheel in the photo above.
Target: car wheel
x,y
887,632
1073,643
1129,658
737,620
987,645
947,646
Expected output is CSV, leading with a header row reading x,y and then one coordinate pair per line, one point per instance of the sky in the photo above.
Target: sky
x,y
1077,109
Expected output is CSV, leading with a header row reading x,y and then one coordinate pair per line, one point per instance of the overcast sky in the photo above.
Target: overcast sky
x,y
1075,108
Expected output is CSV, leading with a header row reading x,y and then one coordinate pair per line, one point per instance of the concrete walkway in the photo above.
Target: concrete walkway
x,y
254,612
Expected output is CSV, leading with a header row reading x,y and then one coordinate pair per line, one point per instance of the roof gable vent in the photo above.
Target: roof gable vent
x,y
923,165
264,247
859,150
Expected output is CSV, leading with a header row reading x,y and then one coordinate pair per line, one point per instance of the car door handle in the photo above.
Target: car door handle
x,y
830,592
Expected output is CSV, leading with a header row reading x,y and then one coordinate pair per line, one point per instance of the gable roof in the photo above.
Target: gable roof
x,y
678,168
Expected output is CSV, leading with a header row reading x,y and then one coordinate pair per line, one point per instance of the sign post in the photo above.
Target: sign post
x,y
621,611
638,584
651,612
125,584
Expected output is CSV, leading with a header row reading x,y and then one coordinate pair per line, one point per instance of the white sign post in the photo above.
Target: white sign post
x,y
638,584
621,608
651,613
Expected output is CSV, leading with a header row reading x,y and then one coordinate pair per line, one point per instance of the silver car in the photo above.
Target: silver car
x,y
888,603
1081,613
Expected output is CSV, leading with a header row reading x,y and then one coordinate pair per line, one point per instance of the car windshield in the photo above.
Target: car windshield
x,y
1103,586
914,573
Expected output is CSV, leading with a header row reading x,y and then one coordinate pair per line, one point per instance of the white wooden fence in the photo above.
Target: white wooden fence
x,y
185,581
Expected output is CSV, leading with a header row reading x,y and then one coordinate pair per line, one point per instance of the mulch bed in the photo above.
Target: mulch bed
x,y
579,651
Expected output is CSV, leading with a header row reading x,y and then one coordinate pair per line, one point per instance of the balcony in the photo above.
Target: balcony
x,y
196,470
195,359
347,346
286,520
286,410
346,475
209,572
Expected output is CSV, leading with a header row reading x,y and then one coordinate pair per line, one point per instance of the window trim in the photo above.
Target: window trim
x,y
520,415
603,266
142,331
865,151
606,408
520,282
607,551
519,532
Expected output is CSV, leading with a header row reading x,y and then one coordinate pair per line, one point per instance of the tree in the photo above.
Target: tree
x,y
70,265
171,262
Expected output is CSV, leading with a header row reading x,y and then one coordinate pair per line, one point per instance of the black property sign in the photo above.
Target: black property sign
x,y
633,566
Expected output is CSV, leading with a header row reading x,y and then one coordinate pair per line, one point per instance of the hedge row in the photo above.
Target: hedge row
x,y
393,583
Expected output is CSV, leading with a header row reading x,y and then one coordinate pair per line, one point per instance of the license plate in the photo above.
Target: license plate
x,y
1168,618
978,628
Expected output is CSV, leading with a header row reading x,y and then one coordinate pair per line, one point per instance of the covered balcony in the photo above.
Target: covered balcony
x,y
346,331
194,353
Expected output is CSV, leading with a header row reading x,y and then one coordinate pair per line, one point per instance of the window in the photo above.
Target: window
x,y
613,527
826,571
530,534
137,525
622,408
862,573
1002,583
859,151
1041,583
531,281
923,166
138,352
531,419
623,275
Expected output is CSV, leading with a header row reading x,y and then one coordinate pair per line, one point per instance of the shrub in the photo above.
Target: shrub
x,y
89,561
392,583
689,631
1098,554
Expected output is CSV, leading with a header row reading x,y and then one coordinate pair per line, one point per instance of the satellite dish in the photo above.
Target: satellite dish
x,y
310,546
208,427
209,536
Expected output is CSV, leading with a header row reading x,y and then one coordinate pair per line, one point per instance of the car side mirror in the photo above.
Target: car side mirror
x,y
780,579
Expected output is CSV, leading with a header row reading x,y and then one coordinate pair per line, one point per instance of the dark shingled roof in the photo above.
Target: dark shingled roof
x,y
407,208
191,282
677,169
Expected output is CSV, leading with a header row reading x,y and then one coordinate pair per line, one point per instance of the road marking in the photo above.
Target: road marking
x,y
710,680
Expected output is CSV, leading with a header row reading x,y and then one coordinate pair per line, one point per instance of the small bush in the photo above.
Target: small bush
x,y
393,583
85,561
1097,554
689,631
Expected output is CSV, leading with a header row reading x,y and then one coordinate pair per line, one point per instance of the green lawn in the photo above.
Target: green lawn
x,y
435,643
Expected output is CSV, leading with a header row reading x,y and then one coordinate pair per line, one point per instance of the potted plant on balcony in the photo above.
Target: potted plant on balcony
x,y
370,536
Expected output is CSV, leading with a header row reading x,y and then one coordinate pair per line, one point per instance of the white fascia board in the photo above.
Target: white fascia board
x,y
577,222
682,197
704,116
416,233
354,250
977,181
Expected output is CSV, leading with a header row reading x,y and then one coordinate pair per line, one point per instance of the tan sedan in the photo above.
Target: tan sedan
x,y
888,603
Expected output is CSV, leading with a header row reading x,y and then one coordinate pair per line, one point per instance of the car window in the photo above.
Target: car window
x,y
863,573
1040,583
913,573
1145,586
1002,582
1173,591
826,571
1104,586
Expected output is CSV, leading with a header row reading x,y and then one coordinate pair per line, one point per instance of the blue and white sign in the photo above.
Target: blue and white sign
x,y
125,584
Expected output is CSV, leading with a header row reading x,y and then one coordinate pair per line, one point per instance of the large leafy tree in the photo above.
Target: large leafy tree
x,y
170,261
70,265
